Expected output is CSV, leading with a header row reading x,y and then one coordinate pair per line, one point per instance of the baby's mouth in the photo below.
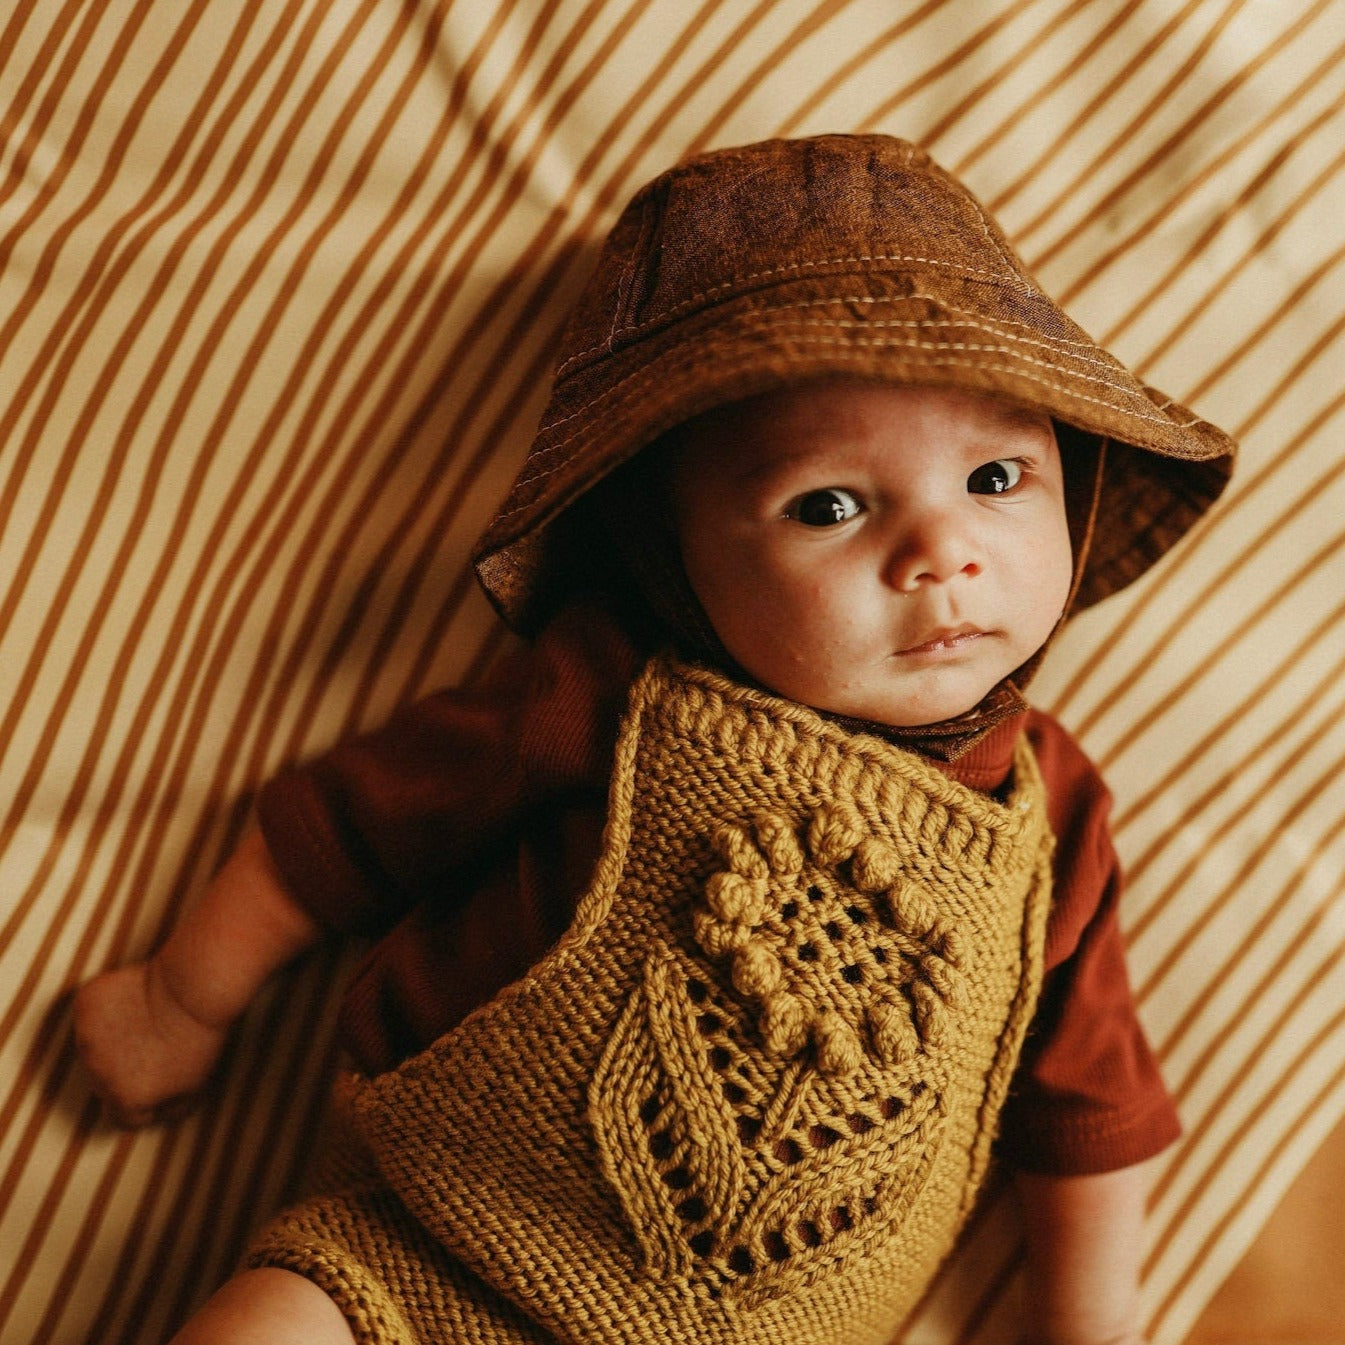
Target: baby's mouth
x,y
950,640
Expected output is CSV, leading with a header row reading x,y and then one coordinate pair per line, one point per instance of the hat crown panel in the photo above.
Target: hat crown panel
x,y
729,223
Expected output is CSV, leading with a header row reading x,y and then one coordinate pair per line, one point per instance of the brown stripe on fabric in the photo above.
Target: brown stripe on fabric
x,y
431,635
137,1232
23,1258
1165,786
1173,202
451,229
1239,493
969,102
746,85
1110,95
1266,845
80,1247
1318,924
72,141
463,584
72,802
97,616
851,67
1182,1219
168,349
27,1141
95,304
1259,247
936,1296
879,115
1227,1095
89,285
53,44
130,126
19,14
1283,308
980,1316
1052,209
492,648
1242,959
246,1188
1263,1171
1155,709
1044,92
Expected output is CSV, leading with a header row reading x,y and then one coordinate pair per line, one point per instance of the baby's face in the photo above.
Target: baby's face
x,y
889,553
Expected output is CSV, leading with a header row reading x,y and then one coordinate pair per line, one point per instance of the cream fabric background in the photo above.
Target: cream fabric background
x,y
279,280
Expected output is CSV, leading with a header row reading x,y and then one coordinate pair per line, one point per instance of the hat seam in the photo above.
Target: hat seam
x,y
646,372
1084,350
620,386
791,268
1088,348
1082,354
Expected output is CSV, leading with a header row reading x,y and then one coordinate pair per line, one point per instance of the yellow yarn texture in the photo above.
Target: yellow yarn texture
x,y
750,1096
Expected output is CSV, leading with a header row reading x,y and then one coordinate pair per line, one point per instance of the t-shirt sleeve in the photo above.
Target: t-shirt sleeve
x,y
390,820
1088,1096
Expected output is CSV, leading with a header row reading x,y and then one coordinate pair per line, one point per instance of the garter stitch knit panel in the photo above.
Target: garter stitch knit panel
x,y
750,1096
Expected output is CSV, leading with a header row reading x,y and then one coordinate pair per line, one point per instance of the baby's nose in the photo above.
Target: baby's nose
x,y
932,551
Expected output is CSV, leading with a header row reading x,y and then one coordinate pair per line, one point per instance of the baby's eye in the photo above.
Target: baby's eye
x,y
823,508
994,478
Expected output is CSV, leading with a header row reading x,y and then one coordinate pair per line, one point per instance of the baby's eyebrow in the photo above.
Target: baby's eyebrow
x,y
1021,417
778,465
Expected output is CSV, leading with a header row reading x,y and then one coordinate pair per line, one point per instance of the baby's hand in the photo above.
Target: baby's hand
x,y
141,1047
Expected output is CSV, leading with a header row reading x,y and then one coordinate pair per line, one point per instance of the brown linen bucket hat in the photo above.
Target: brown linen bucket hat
x,y
745,269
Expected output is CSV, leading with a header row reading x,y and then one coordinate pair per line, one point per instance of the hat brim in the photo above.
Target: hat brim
x,y
943,329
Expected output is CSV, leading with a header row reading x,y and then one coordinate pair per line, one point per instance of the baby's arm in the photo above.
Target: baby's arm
x,y
1085,1247
151,1032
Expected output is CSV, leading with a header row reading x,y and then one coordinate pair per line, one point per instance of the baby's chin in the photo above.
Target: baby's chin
x,y
927,712
896,701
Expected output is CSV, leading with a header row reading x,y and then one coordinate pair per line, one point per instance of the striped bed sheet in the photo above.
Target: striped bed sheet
x,y
279,283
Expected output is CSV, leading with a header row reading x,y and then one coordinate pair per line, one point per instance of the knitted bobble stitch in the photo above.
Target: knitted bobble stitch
x,y
834,833
737,849
784,1025
930,1014
779,845
910,911
737,899
894,1035
717,937
876,865
953,948
945,981
839,1050
757,972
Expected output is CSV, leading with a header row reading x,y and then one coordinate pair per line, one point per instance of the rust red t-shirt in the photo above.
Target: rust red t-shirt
x,y
462,833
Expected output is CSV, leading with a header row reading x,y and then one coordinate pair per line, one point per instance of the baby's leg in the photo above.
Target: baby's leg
x,y
267,1307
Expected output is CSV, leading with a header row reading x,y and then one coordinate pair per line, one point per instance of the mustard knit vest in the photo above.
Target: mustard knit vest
x,y
750,1096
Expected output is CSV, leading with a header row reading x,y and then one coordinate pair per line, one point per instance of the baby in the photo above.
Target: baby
x,y
729,927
